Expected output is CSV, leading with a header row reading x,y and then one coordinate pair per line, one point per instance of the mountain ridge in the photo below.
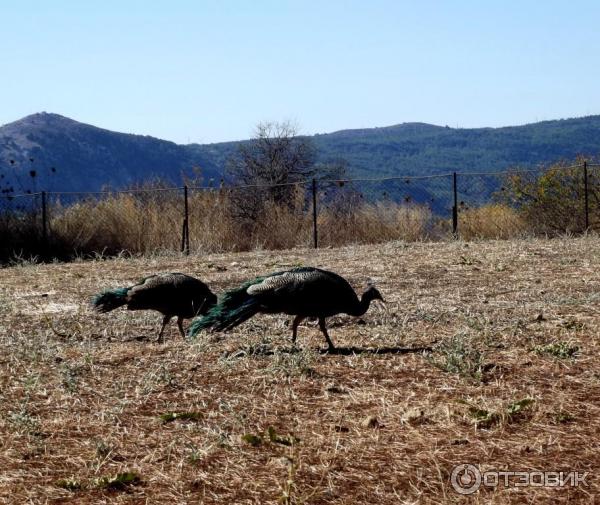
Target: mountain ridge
x,y
69,155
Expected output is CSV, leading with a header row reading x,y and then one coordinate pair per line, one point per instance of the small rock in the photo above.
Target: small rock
x,y
413,416
371,422
284,461
336,389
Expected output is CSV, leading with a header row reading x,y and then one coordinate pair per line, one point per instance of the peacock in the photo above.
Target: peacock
x,y
303,292
171,294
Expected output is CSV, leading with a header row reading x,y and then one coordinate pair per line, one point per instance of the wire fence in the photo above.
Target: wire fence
x,y
316,212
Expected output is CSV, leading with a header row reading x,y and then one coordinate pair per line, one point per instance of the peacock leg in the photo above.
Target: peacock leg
x,y
297,321
180,326
166,319
324,330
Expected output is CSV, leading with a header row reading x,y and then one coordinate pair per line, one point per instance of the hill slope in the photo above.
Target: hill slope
x,y
86,158
73,156
422,149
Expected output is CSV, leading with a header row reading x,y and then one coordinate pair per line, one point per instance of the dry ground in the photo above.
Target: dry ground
x,y
513,382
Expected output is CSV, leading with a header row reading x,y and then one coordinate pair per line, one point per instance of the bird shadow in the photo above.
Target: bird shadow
x,y
140,338
350,351
265,350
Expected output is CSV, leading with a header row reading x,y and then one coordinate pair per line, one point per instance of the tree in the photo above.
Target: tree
x,y
271,167
553,200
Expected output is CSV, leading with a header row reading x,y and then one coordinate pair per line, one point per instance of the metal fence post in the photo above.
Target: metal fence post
x,y
314,198
44,224
455,206
185,234
586,196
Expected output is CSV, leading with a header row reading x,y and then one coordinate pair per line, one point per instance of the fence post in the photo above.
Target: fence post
x,y
44,225
314,199
454,207
185,234
586,196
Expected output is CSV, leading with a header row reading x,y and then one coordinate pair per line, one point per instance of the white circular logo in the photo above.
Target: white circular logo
x,y
465,479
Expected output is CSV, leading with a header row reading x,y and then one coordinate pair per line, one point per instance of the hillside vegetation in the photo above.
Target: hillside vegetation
x,y
72,156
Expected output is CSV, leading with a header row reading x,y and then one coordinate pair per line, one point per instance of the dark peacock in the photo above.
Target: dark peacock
x,y
303,292
171,294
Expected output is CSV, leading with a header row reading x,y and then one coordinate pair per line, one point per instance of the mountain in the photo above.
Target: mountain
x,y
66,155
72,156
423,149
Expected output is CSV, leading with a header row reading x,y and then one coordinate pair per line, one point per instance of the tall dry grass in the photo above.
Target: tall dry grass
x,y
140,224
371,223
122,222
495,221
151,222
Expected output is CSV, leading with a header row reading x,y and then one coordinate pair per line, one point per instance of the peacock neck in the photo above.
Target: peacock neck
x,y
361,305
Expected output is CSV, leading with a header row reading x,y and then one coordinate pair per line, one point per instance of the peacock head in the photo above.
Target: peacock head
x,y
372,293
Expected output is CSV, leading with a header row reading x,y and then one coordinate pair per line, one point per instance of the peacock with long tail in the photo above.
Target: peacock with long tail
x,y
171,294
304,292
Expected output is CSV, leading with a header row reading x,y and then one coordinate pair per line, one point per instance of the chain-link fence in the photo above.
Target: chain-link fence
x,y
314,213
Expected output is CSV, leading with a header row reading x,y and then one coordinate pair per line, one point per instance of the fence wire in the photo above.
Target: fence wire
x,y
326,212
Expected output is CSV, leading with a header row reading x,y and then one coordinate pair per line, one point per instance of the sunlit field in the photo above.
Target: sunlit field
x,y
485,353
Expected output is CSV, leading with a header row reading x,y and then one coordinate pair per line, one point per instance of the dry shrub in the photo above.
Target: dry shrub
x,y
277,224
281,227
374,223
212,226
554,200
148,223
494,221
138,223
151,221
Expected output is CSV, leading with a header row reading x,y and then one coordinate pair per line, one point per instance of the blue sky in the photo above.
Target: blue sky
x,y
208,71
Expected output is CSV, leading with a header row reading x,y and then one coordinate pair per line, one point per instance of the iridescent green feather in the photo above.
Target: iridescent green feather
x,y
233,306
110,299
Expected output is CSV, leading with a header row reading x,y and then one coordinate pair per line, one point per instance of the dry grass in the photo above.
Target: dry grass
x,y
94,412
494,221
144,223
375,223
140,225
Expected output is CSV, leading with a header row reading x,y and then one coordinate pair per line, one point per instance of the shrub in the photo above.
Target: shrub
x,y
553,201
495,221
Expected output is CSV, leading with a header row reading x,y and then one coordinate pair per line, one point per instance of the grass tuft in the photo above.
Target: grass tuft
x,y
559,350
458,355
117,482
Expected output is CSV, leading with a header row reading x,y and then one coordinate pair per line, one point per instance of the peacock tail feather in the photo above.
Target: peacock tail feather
x,y
233,307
